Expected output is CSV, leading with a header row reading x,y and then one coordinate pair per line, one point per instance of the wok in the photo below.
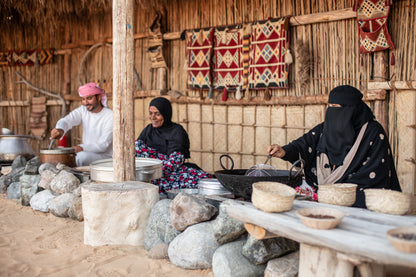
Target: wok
x,y
241,186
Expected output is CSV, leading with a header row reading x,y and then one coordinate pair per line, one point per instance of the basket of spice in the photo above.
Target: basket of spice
x,y
320,218
403,239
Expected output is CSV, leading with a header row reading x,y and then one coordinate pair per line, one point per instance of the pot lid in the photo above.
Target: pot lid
x,y
65,150
141,163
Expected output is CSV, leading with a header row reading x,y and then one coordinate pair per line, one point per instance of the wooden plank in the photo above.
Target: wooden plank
x,y
390,85
123,86
373,247
258,232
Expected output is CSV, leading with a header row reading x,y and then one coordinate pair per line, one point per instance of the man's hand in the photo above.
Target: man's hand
x,y
275,150
78,148
56,133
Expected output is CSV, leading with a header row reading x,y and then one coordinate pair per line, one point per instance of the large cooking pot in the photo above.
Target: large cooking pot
x,y
241,186
54,156
147,169
12,146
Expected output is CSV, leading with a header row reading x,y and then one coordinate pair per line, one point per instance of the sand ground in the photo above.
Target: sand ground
x,y
33,243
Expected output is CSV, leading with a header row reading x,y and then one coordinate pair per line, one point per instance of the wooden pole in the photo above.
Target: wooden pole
x,y
381,107
123,101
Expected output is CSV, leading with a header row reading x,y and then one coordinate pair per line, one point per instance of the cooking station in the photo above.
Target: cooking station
x,y
359,240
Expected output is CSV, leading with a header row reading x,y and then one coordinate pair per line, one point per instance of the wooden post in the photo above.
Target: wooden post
x,y
161,79
381,107
123,85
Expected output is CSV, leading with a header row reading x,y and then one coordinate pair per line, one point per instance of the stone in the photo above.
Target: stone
x,y
13,176
228,261
159,228
261,251
77,191
160,251
60,205
64,182
117,213
75,211
19,162
286,266
47,166
13,191
194,247
40,201
32,166
226,229
187,210
28,188
6,170
46,178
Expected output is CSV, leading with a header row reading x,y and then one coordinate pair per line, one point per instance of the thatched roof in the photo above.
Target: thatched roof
x,y
53,13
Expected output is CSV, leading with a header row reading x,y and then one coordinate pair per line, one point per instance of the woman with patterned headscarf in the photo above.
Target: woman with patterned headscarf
x,y
168,141
350,146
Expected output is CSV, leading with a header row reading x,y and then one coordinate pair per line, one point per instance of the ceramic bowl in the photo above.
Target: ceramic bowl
x,y
342,194
320,218
272,197
403,239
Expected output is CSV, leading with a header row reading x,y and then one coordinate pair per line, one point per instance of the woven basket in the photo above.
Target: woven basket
x,y
306,216
342,194
272,197
387,201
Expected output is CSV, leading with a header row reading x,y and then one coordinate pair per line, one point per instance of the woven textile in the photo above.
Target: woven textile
x,y
27,57
246,54
269,42
372,25
227,71
199,52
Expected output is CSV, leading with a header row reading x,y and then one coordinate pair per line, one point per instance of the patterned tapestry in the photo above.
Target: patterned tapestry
x,y
227,65
199,52
26,57
372,25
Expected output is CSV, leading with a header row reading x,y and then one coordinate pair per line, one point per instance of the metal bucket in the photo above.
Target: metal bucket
x,y
54,156
147,169
211,186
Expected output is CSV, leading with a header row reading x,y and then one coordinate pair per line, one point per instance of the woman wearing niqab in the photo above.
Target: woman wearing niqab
x,y
169,143
350,146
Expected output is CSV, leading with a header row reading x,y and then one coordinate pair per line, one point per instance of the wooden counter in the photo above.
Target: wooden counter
x,y
359,240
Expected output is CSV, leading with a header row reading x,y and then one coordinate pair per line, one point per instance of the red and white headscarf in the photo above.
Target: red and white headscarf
x,y
93,89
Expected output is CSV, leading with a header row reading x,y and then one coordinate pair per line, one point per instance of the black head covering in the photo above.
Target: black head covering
x,y
342,124
168,138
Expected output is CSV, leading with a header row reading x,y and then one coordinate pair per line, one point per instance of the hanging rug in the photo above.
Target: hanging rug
x,y
199,52
269,43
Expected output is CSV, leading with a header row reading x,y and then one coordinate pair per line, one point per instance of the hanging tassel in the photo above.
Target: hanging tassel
x,y
210,93
288,57
267,95
224,95
392,59
238,94
361,60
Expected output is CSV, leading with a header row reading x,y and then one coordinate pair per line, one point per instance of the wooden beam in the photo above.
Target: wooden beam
x,y
123,89
390,85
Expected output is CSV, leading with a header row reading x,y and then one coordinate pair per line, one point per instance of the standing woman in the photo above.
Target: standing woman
x,y
168,141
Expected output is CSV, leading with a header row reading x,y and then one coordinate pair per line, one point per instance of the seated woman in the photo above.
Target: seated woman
x,y
350,146
168,141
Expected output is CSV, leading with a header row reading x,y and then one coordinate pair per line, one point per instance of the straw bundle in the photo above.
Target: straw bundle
x,y
272,196
342,194
387,201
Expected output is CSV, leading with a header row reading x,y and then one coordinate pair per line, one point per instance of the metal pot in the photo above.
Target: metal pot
x,y
54,156
147,169
12,146
211,186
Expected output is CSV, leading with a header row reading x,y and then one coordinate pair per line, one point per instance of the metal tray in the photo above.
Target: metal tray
x,y
147,169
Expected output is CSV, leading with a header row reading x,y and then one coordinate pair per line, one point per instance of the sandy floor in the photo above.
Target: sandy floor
x,y
33,243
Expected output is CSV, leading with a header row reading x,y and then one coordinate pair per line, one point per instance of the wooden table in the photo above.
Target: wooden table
x,y
359,240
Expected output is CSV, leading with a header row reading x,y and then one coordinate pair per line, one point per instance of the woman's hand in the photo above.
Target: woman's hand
x,y
275,150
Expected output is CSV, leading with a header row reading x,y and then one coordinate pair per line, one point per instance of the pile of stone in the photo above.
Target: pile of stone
x,y
46,187
193,234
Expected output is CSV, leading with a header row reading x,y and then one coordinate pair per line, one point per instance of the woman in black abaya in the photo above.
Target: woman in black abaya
x,y
350,146
168,141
